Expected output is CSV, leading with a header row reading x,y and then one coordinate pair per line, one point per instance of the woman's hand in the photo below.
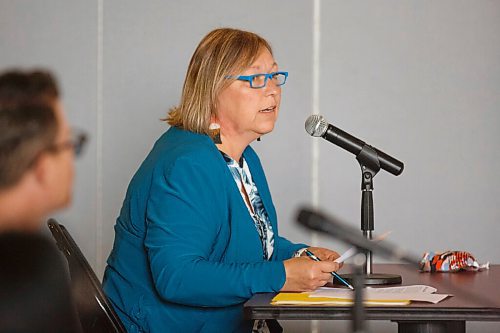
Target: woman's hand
x,y
322,253
305,274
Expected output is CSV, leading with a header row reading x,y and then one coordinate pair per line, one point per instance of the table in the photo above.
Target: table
x,y
476,298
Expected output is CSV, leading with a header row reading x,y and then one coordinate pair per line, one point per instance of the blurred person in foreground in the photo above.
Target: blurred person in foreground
x,y
37,149
197,235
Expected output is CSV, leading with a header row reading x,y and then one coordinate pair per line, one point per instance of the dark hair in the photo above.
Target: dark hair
x,y
28,123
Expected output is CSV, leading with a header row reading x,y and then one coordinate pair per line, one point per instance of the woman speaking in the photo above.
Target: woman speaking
x,y
197,235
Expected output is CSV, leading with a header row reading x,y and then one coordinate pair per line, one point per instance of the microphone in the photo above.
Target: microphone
x,y
333,227
316,125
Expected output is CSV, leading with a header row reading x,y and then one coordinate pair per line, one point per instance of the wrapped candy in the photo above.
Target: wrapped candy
x,y
450,261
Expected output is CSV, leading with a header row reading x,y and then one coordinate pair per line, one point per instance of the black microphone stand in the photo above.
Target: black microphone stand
x,y
358,309
370,165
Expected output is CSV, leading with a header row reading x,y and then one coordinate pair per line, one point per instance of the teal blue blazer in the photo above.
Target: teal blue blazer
x,y
186,254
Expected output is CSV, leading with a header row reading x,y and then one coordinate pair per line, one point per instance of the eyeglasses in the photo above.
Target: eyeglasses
x,y
76,142
260,80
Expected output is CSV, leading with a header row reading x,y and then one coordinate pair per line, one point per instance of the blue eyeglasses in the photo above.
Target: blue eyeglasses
x,y
260,80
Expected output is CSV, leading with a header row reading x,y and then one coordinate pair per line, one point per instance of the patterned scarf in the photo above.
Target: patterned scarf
x,y
242,176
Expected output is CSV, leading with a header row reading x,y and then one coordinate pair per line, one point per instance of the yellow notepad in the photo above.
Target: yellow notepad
x,y
304,299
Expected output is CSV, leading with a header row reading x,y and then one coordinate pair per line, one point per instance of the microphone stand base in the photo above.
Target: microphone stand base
x,y
374,279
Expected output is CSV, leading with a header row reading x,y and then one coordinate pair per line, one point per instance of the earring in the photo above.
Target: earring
x,y
258,139
214,130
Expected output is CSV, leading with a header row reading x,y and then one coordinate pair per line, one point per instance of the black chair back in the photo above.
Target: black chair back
x,y
94,309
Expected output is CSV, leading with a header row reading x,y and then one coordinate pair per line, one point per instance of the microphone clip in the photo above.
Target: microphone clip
x,y
370,164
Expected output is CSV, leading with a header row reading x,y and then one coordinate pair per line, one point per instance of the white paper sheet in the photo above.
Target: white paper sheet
x,y
420,293
352,251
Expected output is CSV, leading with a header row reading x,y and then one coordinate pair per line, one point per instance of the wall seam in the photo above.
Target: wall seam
x,y
315,327
99,138
315,107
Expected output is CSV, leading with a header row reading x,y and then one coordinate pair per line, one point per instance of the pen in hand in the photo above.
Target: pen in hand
x,y
335,275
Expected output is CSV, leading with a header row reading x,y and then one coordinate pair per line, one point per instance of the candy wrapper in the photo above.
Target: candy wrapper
x,y
450,261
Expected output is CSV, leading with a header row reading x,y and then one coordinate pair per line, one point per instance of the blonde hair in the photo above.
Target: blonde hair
x,y
221,52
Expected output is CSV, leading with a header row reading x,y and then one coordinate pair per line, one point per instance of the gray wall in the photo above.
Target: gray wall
x,y
418,79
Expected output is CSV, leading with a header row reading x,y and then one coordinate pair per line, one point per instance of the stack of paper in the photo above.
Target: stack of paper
x,y
306,299
371,296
